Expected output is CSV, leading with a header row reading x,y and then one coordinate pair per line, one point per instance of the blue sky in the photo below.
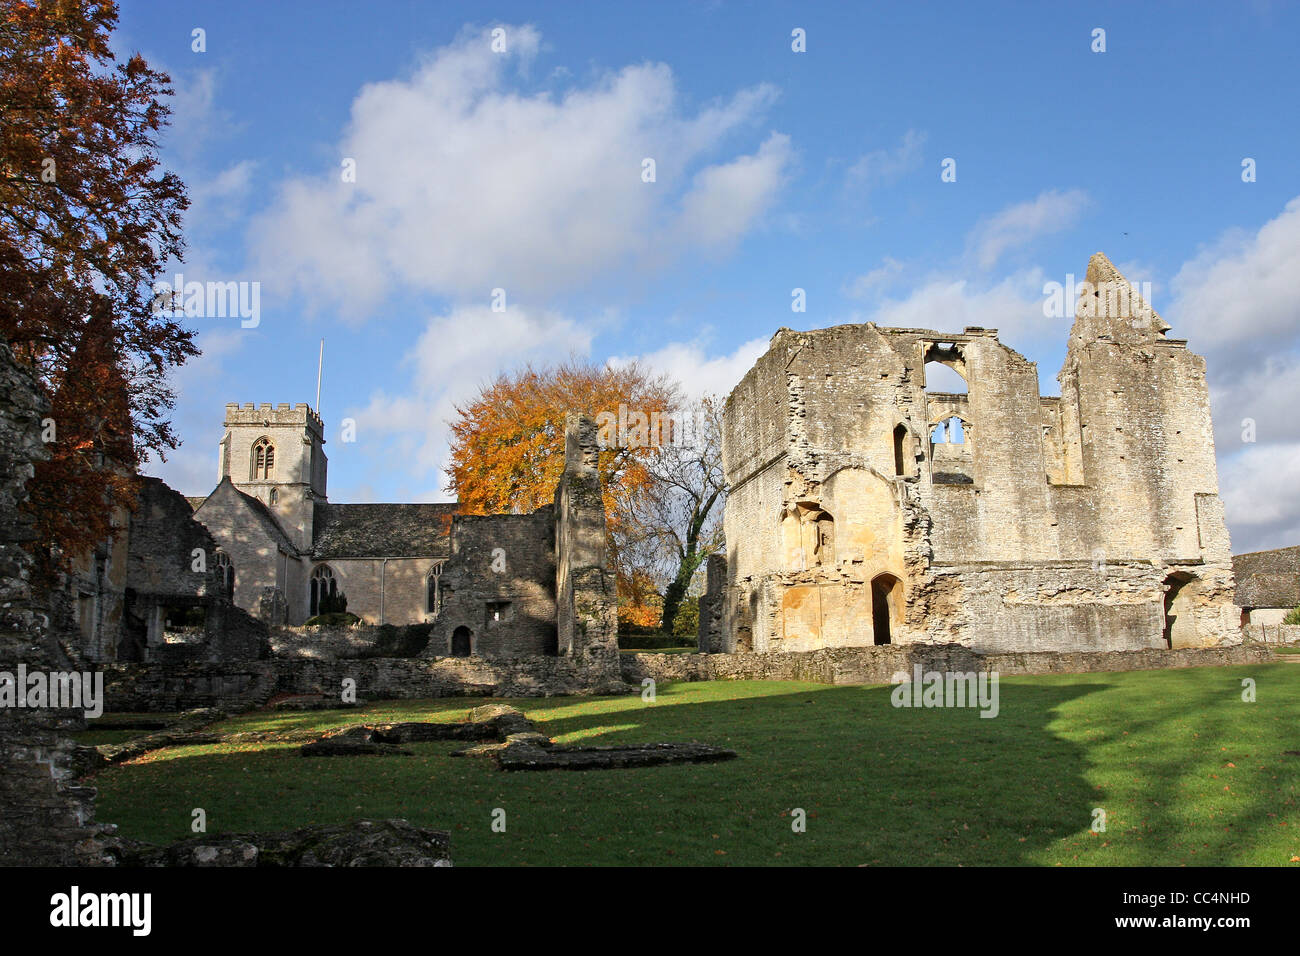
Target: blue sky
x,y
775,170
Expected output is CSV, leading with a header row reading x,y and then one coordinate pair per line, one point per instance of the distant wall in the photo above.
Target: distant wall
x,y
877,665
1272,633
235,686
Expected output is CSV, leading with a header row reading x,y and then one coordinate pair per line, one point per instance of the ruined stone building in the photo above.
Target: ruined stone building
x,y
866,507
507,585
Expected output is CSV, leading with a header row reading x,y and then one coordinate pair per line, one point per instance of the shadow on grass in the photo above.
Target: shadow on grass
x,y
879,785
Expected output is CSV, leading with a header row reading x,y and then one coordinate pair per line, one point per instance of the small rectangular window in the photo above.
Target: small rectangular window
x,y
497,612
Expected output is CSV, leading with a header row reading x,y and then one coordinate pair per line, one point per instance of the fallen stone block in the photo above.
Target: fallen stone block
x,y
414,732
363,843
350,747
526,755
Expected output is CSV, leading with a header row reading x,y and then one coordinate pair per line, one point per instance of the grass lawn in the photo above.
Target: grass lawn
x,y
1185,770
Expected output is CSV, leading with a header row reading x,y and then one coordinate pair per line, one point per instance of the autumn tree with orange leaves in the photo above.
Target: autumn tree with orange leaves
x,y
507,455
88,222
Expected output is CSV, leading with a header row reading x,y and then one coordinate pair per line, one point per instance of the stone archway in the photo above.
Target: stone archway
x,y
462,642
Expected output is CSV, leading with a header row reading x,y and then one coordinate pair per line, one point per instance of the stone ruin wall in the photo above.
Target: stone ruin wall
x,y
1021,554
46,819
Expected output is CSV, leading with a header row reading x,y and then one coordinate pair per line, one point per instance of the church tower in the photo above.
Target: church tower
x,y
276,455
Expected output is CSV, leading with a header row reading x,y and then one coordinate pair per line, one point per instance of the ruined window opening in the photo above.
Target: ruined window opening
x,y
323,584
497,612
462,640
886,606
945,368
433,590
949,431
274,495
225,574
263,459
900,450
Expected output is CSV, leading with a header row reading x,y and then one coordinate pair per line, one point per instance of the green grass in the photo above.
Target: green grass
x,y
1186,771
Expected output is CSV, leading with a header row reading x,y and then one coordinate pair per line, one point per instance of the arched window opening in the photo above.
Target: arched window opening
x,y
950,431
945,369
274,496
323,585
886,607
433,591
263,459
902,446
225,574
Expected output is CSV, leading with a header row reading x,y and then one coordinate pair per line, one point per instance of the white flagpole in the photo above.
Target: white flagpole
x,y
320,364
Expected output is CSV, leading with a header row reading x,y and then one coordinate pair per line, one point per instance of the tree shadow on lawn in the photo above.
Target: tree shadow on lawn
x,y
1193,774
880,785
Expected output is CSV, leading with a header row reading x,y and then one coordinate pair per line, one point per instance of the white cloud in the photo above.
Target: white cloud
x,y
882,166
1236,303
877,278
1259,496
1241,296
455,356
1013,306
699,373
1021,224
464,184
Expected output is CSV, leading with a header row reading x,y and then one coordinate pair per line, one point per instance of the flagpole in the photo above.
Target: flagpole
x,y
320,364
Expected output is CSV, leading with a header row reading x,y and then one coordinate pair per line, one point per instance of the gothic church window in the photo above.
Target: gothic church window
x,y
225,574
323,585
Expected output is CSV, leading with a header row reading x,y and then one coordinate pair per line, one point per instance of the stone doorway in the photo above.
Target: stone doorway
x,y
461,642
1180,622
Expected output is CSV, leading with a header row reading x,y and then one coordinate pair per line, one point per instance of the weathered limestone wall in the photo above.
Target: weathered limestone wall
x,y
586,595
45,818
839,494
878,665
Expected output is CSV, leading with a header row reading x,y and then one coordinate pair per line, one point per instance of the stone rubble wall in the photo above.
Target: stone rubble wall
x,y
878,665
235,686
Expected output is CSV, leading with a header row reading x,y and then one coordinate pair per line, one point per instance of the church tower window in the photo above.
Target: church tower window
x,y
263,459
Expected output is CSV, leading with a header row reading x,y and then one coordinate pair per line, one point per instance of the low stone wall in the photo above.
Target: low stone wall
x,y
1272,633
878,665
324,642
165,686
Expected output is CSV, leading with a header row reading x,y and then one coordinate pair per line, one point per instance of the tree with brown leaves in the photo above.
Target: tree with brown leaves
x,y
507,452
88,222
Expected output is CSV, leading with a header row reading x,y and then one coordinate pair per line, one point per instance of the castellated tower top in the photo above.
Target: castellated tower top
x,y
266,414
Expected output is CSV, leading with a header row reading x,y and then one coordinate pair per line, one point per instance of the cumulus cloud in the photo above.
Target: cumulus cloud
x,y
1236,302
448,364
1241,295
700,373
465,184
1023,223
